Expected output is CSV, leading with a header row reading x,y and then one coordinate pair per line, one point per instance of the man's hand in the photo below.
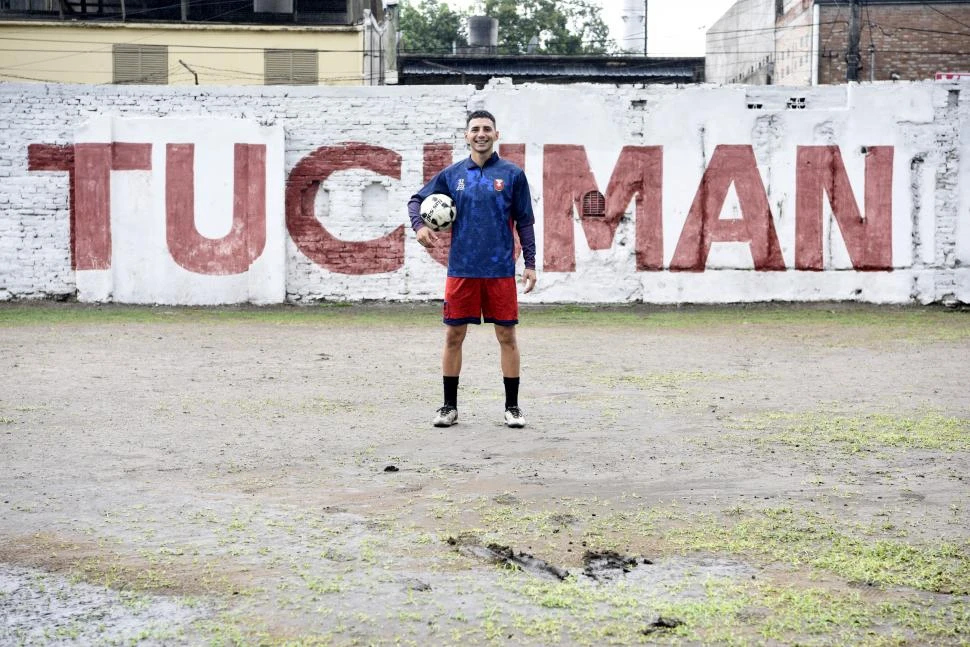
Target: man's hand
x,y
426,237
528,280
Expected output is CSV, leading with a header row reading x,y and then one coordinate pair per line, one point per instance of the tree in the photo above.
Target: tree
x,y
524,26
549,26
430,27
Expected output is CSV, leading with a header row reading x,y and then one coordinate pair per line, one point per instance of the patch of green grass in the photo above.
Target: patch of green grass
x,y
904,321
46,313
323,585
885,322
671,388
672,381
869,432
783,535
807,538
732,612
725,611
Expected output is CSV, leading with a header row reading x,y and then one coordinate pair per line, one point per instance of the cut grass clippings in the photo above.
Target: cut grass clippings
x,y
784,535
870,432
915,593
808,539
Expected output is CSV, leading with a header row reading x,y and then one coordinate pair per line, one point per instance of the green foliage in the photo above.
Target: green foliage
x,y
563,27
430,27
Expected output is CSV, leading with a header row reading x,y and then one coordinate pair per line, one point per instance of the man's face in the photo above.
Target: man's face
x,y
481,135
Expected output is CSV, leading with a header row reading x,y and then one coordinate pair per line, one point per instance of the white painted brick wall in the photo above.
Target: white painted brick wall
x,y
924,121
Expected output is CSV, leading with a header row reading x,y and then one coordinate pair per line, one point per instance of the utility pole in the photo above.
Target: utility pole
x,y
645,15
852,57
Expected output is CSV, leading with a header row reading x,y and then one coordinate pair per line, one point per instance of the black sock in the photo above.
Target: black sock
x,y
451,390
511,391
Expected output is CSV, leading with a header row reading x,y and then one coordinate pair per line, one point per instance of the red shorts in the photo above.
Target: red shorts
x,y
471,300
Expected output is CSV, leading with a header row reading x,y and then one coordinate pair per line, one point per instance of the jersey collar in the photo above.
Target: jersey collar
x,y
470,163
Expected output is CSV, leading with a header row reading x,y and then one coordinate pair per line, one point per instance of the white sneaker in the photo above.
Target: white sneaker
x,y
445,416
514,417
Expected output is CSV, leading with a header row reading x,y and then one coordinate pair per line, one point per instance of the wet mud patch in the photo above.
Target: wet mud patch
x,y
41,608
609,565
164,571
494,553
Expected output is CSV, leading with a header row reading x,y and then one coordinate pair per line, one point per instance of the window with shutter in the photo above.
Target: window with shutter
x,y
134,64
290,67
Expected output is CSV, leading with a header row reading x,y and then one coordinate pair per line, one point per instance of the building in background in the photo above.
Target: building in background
x,y
478,63
810,42
633,36
740,45
222,42
414,69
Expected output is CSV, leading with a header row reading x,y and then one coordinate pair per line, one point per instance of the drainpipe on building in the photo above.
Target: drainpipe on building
x,y
391,19
816,44
872,62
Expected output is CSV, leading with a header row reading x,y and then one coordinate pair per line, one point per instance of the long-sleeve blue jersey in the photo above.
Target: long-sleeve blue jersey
x,y
490,201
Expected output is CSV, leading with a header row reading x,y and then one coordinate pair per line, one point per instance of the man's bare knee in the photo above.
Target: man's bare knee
x,y
505,336
455,336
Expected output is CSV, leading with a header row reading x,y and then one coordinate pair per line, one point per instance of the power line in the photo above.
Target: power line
x,y
947,16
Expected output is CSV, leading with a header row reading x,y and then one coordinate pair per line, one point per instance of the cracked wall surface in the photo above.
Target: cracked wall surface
x,y
695,194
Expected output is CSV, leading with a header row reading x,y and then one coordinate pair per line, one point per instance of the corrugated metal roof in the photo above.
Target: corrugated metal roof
x,y
551,66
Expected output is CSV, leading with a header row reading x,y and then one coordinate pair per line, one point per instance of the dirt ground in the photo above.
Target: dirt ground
x,y
760,475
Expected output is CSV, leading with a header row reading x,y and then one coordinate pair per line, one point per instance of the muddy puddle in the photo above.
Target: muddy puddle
x,y
342,577
40,608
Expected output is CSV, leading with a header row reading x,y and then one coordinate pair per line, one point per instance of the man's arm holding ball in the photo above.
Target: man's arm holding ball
x,y
426,237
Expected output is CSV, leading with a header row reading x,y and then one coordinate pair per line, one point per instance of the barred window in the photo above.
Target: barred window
x,y
133,64
594,205
290,67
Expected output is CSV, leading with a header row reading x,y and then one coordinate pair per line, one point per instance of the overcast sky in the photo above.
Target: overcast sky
x,y
674,27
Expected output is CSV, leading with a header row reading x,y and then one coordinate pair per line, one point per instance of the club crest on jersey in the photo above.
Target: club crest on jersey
x,y
461,184
499,184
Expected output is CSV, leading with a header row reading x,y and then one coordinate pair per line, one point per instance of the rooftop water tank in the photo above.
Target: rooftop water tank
x,y
482,31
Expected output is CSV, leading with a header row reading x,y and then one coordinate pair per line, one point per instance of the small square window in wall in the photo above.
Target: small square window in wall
x,y
290,67
139,64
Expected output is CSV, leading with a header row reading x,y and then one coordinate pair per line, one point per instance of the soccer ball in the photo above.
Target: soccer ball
x,y
438,211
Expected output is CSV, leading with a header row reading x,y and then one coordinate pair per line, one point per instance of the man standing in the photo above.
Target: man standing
x,y
491,197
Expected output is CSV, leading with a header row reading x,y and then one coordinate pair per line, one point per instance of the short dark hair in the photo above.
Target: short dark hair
x,y
480,114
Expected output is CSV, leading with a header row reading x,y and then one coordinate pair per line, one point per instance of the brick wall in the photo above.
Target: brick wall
x,y
709,194
910,41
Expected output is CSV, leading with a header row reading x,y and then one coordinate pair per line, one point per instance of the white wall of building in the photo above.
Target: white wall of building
x,y
740,46
368,148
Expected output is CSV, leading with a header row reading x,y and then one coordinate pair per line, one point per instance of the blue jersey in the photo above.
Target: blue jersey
x,y
490,201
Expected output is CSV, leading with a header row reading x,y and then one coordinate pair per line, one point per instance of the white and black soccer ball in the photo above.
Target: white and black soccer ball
x,y
438,211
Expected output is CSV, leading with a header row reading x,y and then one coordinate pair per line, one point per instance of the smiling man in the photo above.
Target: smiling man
x,y
491,197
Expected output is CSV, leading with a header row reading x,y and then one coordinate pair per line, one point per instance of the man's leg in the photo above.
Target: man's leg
x,y
461,307
509,349
447,415
451,355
